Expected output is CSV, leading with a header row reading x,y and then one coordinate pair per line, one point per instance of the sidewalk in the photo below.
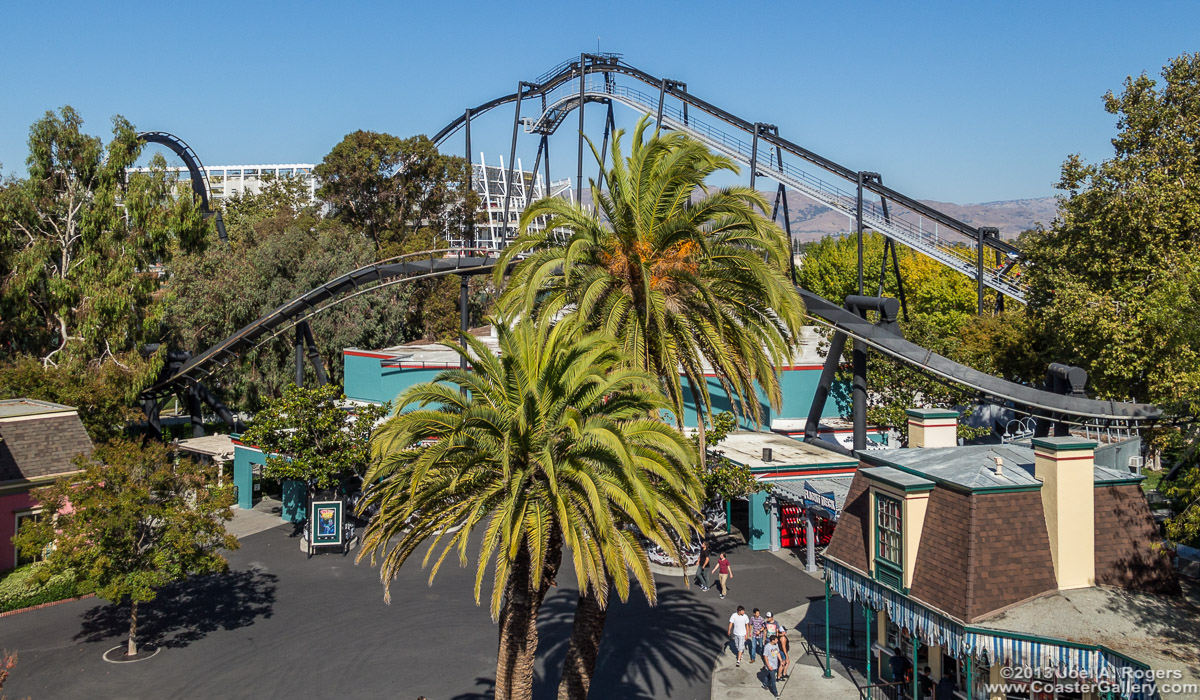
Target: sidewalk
x,y
264,516
805,676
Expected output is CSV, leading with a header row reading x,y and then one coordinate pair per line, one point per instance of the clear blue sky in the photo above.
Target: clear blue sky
x,y
955,101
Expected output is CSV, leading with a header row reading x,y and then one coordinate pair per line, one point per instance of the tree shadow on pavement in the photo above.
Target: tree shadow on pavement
x,y
645,650
187,611
487,690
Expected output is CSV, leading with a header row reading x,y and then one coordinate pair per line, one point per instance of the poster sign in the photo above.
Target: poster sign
x,y
826,500
325,523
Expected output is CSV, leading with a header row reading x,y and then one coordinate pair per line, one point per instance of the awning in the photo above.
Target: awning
x,y
993,646
929,626
829,494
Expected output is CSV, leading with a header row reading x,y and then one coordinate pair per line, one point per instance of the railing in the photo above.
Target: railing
x,y
948,246
898,690
845,643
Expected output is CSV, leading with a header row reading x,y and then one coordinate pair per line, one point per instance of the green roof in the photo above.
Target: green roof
x,y
902,480
931,413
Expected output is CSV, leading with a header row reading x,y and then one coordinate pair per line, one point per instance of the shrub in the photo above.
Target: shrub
x,y
32,584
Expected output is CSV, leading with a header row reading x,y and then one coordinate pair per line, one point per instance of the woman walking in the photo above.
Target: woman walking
x,y
703,580
724,572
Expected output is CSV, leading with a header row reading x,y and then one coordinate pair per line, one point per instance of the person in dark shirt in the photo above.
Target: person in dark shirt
x,y
946,687
900,670
926,680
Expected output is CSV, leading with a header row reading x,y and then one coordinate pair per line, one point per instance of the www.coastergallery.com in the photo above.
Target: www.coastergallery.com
x,y
1167,682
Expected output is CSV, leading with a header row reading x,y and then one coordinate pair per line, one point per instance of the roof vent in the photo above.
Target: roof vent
x,y
768,454
999,465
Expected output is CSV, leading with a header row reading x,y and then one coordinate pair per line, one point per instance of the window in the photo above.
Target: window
x,y
887,530
23,517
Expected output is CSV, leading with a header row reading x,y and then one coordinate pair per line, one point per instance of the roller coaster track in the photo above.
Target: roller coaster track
x,y
199,178
442,262
603,78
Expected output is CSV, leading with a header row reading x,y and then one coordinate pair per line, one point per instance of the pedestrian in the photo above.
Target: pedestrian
x,y
900,667
926,680
776,628
724,572
739,625
946,686
758,637
702,574
771,664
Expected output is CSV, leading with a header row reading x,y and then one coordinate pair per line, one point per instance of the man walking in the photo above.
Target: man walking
x,y
771,661
724,572
702,574
758,639
739,625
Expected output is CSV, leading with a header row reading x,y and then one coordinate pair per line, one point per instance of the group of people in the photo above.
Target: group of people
x,y
764,636
902,670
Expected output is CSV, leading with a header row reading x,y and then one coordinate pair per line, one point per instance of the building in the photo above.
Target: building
x,y
998,562
225,181
491,183
39,442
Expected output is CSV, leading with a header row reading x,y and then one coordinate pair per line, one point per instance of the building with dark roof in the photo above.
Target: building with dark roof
x,y
951,548
38,444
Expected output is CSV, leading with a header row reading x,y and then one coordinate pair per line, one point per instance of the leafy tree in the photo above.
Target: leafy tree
x,y
552,444
387,188
279,249
681,275
101,394
80,240
1116,278
133,521
311,436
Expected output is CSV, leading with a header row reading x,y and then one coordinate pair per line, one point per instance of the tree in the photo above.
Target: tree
x,y
100,394
679,274
311,436
133,521
552,445
279,249
387,188
80,240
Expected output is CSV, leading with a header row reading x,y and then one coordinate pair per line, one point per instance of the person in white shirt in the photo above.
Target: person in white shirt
x,y
739,627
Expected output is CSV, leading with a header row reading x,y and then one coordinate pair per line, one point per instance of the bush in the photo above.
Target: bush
x,y
32,585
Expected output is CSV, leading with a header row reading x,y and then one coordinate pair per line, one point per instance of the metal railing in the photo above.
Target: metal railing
x,y
948,246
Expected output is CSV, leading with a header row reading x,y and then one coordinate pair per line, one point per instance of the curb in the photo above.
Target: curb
x,y
18,611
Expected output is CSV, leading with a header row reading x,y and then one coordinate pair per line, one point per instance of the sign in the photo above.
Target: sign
x,y
325,523
826,500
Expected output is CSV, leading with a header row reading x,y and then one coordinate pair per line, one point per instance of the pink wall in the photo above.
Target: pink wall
x,y
9,506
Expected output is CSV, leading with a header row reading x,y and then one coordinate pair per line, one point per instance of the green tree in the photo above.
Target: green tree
x,y
279,249
100,394
1114,279
387,188
133,521
312,436
552,444
683,276
80,242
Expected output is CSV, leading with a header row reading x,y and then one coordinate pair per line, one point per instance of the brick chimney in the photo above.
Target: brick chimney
x,y
1065,466
932,427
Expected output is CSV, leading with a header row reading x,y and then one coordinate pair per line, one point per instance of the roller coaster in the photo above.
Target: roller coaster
x,y
597,78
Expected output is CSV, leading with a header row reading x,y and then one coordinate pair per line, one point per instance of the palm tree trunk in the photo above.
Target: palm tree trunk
x,y
518,623
132,650
580,665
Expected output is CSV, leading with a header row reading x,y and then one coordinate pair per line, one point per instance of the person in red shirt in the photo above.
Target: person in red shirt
x,y
724,572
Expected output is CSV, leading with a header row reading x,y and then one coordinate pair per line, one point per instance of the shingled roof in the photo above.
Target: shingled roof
x,y
39,439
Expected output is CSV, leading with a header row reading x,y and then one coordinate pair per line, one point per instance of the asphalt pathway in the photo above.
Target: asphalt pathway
x,y
282,626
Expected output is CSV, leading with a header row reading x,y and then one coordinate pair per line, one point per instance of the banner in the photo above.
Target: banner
x,y
826,500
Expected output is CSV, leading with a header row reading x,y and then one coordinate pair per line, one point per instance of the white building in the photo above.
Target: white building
x,y
225,181
490,182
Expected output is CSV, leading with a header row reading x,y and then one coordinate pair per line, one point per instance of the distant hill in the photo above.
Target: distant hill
x,y
813,221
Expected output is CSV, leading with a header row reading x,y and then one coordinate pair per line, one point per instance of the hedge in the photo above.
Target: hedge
x,y
28,586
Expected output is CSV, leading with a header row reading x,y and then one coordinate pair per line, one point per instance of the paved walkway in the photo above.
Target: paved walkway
x,y
263,516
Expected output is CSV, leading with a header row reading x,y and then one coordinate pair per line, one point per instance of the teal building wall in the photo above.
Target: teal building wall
x,y
797,386
366,380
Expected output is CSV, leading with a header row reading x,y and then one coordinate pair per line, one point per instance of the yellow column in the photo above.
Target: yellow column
x,y
995,679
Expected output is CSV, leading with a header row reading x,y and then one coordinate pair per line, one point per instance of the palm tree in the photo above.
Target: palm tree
x,y
552,444
682,276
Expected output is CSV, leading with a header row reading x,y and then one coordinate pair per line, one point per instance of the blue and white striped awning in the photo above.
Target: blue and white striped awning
x,y
929,626
995,647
